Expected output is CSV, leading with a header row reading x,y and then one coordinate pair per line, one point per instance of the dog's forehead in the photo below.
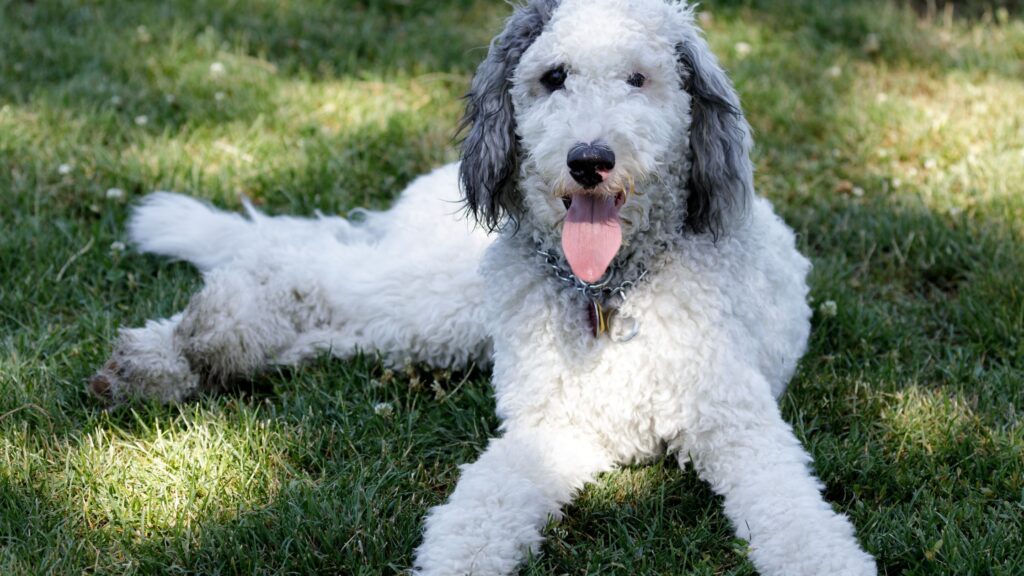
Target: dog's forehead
x,y
602,33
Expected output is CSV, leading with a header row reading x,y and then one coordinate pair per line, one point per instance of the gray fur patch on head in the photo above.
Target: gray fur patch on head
x,y
490,155
721,176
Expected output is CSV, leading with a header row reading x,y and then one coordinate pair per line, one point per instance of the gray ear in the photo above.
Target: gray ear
x,y
721,175
490,150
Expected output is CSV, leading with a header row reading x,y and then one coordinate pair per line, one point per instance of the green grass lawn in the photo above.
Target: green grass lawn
x,y
892,140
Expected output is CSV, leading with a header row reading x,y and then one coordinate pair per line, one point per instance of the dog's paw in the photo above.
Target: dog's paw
x,y
143,368
106,383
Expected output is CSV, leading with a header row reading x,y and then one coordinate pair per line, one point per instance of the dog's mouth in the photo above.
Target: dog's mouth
x,y
592,233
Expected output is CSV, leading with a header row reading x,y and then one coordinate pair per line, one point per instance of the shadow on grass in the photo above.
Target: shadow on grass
x,y
35,533
651,519
909,394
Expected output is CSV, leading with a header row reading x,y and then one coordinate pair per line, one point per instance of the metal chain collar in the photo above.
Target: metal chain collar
x,y
596,290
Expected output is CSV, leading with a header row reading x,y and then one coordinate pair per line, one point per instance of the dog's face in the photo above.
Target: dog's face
x,y
584,107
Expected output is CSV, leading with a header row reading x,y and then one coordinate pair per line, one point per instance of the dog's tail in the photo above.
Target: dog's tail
x,y
188,229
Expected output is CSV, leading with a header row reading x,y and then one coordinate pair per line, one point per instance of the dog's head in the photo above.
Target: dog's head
x,y
588,114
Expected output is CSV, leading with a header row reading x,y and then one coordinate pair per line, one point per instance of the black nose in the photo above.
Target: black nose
x,y
587,161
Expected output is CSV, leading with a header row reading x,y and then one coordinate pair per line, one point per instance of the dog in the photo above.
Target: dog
x,y
616,270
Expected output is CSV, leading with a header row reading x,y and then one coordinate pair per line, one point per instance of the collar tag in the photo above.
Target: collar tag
x,y
619,327
599,318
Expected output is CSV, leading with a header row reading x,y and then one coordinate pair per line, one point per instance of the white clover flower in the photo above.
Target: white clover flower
x,y
383,409
170,98
219,96
871,43
115,193
742,49
217,69
64,169
141,120
834,72
117,247
828,309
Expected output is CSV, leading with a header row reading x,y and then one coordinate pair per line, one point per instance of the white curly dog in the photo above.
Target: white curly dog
x,y
630,290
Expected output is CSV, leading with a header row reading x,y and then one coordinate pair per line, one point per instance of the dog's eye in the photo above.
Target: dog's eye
x,y
554,79
636,79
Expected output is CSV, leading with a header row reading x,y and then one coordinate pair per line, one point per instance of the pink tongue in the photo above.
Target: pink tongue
x,y
591,236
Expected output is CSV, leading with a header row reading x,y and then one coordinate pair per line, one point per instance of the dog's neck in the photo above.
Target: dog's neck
x,y
656,224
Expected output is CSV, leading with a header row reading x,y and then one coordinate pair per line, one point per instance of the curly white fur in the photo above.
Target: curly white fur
x,y
722,310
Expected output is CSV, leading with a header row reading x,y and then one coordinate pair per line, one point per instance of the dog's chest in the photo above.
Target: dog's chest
x,y
550,368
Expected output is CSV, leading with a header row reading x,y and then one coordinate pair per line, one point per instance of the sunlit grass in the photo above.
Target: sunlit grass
x,y
892,141
173,478
930,422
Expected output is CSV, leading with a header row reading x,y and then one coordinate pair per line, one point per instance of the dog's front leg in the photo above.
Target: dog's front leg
x,y
503,500
741,446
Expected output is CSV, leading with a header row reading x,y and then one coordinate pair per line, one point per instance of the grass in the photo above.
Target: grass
x,y
891,139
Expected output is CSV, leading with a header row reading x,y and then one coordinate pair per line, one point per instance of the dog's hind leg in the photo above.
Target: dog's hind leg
x,y
403,284
146,363
282,308
233,327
